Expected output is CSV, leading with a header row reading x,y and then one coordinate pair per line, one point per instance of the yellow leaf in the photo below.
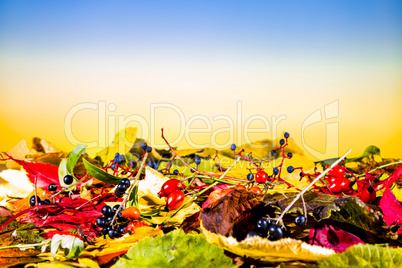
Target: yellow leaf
x,y
105,249
85,193
286,249
122,143
13,183
149,201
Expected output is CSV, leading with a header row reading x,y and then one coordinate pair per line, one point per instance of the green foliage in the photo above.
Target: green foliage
x,y
368,256
175,249
133,198
353,211
100,174
72,245
73,158
88,262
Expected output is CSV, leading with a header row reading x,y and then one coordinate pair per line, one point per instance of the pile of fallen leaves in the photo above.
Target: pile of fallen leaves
x,y
209,228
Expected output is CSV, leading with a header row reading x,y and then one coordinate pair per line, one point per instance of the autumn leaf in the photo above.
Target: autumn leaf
x,y
122,143
391,208
369,256
105,249
233,214
333,237
265,250
175,249
44,174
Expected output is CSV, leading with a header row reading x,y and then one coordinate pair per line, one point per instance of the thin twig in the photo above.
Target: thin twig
x,y
311,184
130,189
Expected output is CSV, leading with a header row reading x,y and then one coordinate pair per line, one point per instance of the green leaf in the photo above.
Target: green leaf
x,y
175,249
365,256
88,262
371,150
71,244
133,198
100,174
151,213
73,158
62,169
352,210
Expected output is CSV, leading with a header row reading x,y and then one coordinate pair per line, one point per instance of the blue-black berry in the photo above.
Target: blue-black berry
x,y
300,220
275,171
233,147
175,172
282,142
253,233
149,149
290,169
273,152
107,211
68,179
125,181
286,135
52,187
197,161
250,176
290,155
275,232
144,146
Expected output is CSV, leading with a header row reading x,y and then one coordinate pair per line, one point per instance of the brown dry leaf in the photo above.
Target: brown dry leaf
x,y
262,249
18,152
233,214
105,249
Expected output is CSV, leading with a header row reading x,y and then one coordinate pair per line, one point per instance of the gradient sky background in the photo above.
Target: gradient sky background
x,y
278,58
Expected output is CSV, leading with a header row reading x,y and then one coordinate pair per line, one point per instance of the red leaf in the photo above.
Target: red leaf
x,y
45,173
391,208
333,237
389,181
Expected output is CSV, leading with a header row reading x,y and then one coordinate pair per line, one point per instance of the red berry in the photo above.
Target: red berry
x,y
256,190
169,187
339,185
175,200
261,176
131,213
337,171
367,194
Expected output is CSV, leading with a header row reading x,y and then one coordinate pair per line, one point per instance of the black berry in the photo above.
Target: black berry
x,y
275,232
107,211
300,220
52,187
68,179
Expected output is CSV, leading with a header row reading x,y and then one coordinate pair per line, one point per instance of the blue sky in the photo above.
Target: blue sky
x,y
276,57
249,28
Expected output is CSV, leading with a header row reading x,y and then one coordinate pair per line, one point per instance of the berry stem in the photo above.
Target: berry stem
x,y
130,189
311,184
196,171
383,166
201,192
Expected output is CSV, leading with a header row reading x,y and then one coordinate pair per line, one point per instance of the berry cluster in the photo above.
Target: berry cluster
x,y
40,202
262,177
271,230
122,187
105,222
171,189
68,179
